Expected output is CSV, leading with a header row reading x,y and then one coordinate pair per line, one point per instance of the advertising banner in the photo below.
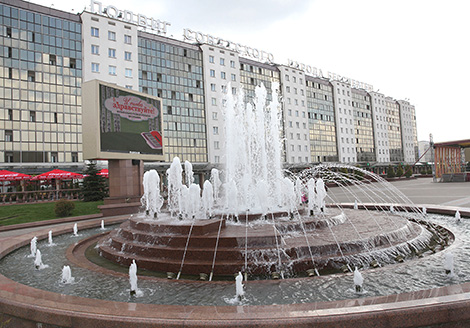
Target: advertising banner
x,y
129,122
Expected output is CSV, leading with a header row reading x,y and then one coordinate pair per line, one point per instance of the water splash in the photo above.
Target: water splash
x,y
33,246
67,275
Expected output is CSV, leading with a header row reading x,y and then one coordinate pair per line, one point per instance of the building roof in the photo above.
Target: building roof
x,y
459,143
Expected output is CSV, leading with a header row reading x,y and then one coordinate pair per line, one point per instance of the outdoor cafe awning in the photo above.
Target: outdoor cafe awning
x,y
13,176
59,175
104,173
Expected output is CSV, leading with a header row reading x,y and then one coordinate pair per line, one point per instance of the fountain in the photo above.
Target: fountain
x,y
358,280
67,275
239,286
33,246
49,239
75,230
305,230
38,261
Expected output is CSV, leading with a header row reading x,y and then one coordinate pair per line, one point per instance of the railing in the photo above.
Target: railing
x,y
38,196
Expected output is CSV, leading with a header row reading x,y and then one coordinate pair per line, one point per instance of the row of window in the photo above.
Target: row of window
x,y
95,50
95,32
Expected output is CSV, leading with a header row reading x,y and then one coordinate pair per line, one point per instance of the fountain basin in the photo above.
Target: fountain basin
x,y
27,306
160,244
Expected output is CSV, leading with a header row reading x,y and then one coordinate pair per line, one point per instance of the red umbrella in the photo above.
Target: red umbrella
x,y
11,176
59,175
104,173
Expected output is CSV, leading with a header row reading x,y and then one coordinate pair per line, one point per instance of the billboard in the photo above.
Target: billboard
x,y
120,123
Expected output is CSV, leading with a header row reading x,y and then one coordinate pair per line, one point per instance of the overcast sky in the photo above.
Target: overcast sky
x,y
417,50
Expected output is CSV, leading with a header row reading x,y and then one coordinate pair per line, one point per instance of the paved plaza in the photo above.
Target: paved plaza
x,y
424,191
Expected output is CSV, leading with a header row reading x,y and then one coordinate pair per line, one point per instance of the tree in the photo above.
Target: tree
x,y
390,172
408,171
399,172
94,186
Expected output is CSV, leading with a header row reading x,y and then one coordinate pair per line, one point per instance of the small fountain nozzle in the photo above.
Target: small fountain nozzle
x,y
170,275
203,276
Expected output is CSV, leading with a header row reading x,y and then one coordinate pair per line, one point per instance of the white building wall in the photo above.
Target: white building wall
x,y
408,128
380,125
117,57
344,122
221,75
295,115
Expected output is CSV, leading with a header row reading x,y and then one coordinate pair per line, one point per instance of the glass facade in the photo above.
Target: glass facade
x,y
364,133
174,73
321,120
253,74
40,86
394,130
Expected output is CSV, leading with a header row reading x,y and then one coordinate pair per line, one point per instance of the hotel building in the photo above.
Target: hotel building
x,y
47,54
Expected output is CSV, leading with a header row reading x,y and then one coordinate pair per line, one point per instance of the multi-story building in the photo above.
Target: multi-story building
x,y
296,125
40,79
173,71
408,131
47,54
321,118
362,109
394,130
344,113
380,127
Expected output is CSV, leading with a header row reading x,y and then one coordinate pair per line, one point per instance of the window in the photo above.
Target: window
x,y
211,59
234,91
215,130
112,70
8,157
10,52
95,67
55,117
111,35
127,39
232,64
8,135
214,101
222,75
144,75
52,59
129,86
111,53
54,157
10,114
128,72
127,55
74,157
234,77
31,76
212,86
8,32
169,110
214,116
95,50
216,145
212,73
222,61
32,116
73,63
95,32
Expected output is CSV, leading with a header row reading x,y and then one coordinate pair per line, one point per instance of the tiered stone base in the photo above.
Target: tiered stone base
x,y
161,244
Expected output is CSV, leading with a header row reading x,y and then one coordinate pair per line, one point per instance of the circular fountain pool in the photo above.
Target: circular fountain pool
x,y
412,275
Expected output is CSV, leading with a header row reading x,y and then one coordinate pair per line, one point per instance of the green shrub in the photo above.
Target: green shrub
x,y
64,208
408,171
399,172
390,172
